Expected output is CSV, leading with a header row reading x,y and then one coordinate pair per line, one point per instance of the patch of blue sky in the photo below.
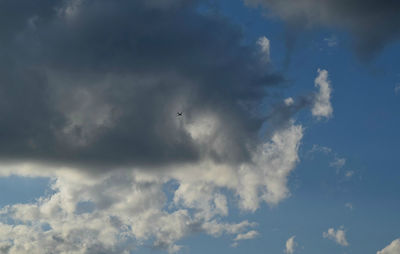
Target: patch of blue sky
x,y
19,189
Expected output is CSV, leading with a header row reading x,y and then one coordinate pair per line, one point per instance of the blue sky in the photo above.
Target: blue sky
x,y
97,163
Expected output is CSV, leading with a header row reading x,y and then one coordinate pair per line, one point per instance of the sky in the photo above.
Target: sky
x,y
288,140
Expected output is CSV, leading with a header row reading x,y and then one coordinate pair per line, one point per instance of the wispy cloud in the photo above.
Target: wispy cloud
x,y
320,149
331,41
246,236
338,163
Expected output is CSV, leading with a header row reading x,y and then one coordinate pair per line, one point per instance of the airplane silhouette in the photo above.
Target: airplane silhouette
x,y
179,113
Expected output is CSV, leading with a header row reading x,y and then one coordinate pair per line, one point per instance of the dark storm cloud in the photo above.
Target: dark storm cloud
x,y
374,23
99,82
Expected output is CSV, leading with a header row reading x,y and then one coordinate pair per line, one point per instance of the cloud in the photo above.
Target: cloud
x,y
290,245
349,174
392,248
331,41
280,115
349,206
264,45
83,84
267,178
338,163
289,101
322,104
372,23
128,211
339,236
246,236
322,149
128,208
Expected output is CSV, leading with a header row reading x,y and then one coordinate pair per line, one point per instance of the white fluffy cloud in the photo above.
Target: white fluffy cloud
x,y
127,210
339,236
392,248
119,211
322,105
290,245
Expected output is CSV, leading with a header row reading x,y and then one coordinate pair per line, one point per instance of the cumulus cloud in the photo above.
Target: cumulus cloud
x,y
392,248
372,23
128,210
290,245
322,105
339,236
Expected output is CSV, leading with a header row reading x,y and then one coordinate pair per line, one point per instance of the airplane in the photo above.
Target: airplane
x,y
179,113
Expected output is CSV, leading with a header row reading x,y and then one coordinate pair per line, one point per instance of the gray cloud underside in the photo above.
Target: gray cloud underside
x,y
374,23
99,83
